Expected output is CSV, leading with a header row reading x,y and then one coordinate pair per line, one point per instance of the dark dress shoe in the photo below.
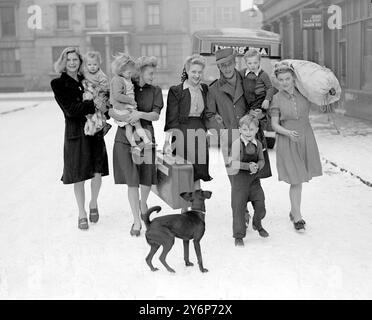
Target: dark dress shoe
x,y
93,215
239,242
261,231
83,224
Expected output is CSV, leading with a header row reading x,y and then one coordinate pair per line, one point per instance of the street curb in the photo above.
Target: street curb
x,y
367,183
44,98
29,96
19,109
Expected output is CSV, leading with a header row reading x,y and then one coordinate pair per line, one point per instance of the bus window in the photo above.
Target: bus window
x,y
207,42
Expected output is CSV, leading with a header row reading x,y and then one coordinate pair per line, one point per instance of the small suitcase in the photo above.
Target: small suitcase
x,y
175,175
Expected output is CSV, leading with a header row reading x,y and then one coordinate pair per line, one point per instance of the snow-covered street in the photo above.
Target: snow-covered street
x,y
43,255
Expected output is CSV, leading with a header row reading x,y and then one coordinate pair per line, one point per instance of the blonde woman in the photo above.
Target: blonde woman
x,y
84,156
138,177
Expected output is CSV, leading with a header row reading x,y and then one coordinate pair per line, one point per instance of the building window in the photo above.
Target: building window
x,y
91,17
200,15
225,14
349,11
153,15
10,61
357,9
63,17
126,15
157,50
364,8
118,44
367,65
7,22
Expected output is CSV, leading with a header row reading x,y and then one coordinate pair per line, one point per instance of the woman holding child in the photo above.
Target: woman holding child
x,y
149,101
84,155
185,119
297,155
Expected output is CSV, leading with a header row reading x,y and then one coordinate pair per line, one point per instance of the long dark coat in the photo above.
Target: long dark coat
x,y
83,155
230,104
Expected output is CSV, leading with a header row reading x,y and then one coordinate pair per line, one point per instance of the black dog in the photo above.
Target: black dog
x,y
189,225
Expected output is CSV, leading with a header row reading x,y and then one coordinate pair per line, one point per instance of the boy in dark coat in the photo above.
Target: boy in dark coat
x,y
258,90
246,161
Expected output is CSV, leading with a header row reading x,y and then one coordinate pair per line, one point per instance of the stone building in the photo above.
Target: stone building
x,y
309,30
142,27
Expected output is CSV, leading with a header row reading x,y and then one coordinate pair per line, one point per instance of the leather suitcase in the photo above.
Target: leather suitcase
x,y
175,175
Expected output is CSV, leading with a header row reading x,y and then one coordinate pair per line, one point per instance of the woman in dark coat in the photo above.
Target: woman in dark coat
x,y
84,156
185,119
138,176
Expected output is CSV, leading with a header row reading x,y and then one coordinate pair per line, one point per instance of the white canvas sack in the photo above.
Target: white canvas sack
x,y
318,84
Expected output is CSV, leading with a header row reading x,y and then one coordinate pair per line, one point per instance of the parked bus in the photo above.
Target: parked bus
x,y
268,44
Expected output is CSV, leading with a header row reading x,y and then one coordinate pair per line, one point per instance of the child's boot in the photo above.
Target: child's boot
x,y
261,231
239,242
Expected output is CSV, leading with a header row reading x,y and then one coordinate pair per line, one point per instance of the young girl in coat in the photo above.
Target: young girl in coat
x,y
122,100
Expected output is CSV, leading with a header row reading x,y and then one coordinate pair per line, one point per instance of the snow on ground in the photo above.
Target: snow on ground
x,y
345,141
44,255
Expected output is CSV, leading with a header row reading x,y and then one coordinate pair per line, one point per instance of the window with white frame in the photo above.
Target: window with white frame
x,y
7,21
126,15
225,14
157,50
10,61
153,14
91,16
63,16
200,15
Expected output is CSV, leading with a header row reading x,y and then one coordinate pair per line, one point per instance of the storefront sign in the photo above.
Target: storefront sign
x,y
241,50
312,19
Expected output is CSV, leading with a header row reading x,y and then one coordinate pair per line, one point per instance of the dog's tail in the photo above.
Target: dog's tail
x,y
146,216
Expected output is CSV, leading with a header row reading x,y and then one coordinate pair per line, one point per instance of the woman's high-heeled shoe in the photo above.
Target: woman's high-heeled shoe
x,y
134,232
292,219
83,224
299,225
93,215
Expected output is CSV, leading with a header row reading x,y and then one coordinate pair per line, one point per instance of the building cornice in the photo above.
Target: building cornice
x,y
287,11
